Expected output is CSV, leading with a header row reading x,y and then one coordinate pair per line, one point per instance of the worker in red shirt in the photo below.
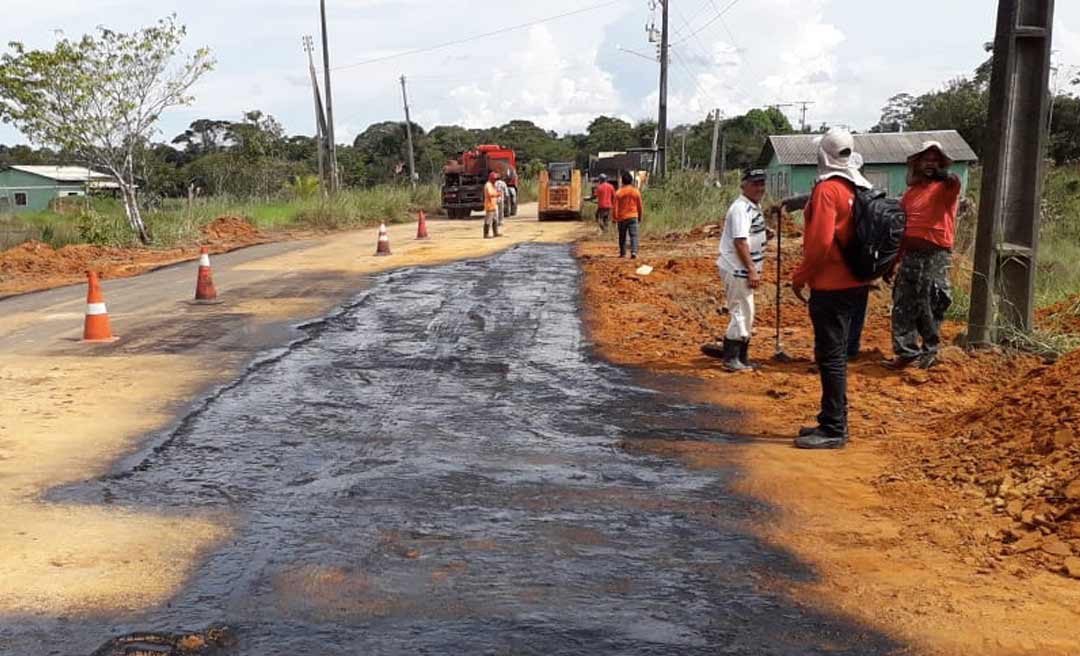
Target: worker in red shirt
x,y
605,201
921,293
629,212
836,295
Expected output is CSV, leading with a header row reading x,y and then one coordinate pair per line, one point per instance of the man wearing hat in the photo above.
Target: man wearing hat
x,y
921,292
742,256
836,296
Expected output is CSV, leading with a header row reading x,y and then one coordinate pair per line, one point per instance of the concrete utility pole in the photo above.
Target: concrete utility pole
x,y
662,113
682,157
320,118
715,141
1003,285
805,104
332,144
723,153
408,133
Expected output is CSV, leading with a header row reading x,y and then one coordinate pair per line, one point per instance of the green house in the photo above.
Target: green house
x,y
32,188
791,160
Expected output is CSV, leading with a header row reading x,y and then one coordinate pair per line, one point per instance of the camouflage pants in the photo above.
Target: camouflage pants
x,y
921,296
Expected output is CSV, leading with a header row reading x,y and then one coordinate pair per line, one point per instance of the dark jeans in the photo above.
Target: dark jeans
x,y
628,228
833,314
858,321
921,296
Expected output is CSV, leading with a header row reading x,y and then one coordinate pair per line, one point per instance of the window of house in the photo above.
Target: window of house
x,y
21,199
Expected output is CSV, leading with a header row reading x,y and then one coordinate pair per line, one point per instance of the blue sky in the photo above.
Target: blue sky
x,y
847,56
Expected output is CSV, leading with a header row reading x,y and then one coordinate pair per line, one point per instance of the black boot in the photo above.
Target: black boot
x,y
819,439
744,355
487,231
732,360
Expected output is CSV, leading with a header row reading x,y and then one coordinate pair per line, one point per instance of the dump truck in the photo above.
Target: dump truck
x,y
560,194
464,180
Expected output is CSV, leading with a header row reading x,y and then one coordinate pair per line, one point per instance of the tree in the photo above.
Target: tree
x,y
896,115
1065,131
100,97
609,134
963,105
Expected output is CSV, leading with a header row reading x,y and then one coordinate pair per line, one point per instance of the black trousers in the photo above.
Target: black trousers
x,y
833,313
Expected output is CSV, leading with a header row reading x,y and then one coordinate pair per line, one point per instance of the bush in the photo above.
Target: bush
x,y
102,229
685,201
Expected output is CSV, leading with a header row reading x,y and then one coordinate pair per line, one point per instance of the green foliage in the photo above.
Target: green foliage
x,y
609,134
101,229
304,187
685,202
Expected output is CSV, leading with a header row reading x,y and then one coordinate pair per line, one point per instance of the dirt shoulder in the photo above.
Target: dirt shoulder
x,y
69,410
930,559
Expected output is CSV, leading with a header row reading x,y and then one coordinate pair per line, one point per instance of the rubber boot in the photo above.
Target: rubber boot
x,y
744,355
732,362
487,230
495,229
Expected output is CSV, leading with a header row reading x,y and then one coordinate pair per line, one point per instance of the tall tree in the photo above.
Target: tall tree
x,y
896,115
609,134
101,97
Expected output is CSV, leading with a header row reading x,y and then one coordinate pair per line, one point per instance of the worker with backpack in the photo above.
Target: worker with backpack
x,y
851,238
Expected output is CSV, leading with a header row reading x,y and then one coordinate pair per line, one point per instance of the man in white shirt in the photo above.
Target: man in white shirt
x,y
504,198
742,256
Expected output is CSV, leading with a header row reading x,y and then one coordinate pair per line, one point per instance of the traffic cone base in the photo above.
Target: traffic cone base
x,y
383,248
96,328
205,292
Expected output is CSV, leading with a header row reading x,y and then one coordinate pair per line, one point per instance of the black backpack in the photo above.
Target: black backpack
x,y
879,229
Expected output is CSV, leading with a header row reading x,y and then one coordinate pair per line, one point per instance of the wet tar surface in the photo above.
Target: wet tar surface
x,y
438,469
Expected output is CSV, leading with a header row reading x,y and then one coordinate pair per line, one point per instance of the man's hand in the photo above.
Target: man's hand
x,y
890,275
770,234
799,292
753,280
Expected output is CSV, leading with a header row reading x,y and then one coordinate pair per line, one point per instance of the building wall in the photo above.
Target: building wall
x,y
800,179
39,191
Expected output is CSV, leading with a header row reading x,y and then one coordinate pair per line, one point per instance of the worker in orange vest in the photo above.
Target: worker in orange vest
x,y
491,207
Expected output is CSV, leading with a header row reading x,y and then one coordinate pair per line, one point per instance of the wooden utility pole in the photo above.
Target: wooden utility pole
x,y
715,141
408,134
332,144
320,118
662,113
1003,285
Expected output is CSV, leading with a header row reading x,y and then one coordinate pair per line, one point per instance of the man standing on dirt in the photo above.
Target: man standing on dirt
x,y
921,293
836,295
742,257
504,199
629,212
605,201
491,207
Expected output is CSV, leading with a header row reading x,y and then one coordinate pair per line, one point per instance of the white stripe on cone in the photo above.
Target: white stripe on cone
x,y
204,260
94,309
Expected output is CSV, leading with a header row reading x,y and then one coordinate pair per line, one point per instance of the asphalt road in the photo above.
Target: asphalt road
x,y
442,468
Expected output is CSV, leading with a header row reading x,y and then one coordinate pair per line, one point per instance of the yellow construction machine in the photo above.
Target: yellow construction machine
x,y
560,192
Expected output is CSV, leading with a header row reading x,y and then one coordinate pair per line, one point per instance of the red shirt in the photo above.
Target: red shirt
x,y
605,196
829,223
931,213
628,204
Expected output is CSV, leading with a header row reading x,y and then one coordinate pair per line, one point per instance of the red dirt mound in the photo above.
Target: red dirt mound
x,y
1063,317
229,230
1022,448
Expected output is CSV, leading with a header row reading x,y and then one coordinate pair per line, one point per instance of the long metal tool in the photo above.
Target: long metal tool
x,y
779,355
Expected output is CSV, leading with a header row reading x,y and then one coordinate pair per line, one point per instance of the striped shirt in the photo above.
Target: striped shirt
x,y
744,221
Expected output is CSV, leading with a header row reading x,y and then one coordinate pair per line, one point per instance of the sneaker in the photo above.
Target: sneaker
x,y
819,440
633,256
808,430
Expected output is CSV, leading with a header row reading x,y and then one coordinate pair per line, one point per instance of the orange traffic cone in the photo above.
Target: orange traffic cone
x,y
384,241
205,292
421,227
96,327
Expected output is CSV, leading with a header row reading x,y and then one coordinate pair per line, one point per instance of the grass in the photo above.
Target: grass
x,y
684,201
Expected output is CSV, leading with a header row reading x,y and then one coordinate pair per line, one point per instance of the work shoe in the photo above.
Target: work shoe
x,y
808,430
714,349
928,361
487,231
819,439
732,362
899,364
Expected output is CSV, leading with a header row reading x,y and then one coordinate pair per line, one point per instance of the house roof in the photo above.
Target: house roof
x,y
876,148
64,173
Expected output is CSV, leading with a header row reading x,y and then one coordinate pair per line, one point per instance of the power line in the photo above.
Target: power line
x,y
456,42
715,18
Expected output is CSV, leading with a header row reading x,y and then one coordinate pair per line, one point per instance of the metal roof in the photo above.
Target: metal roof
x,y
876,148
65,173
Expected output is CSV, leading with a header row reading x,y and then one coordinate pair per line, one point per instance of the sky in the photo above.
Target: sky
x,y
847,57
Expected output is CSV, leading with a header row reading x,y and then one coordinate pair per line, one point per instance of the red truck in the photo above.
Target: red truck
x,y
464,180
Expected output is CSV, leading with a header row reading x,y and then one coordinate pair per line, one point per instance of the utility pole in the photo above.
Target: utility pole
x,y
408,133
802,121
332,144
662,113
320,118
1003,284
682,158
723,153
715,140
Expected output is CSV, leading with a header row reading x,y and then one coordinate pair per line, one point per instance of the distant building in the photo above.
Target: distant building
x,y
32,188
791,160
